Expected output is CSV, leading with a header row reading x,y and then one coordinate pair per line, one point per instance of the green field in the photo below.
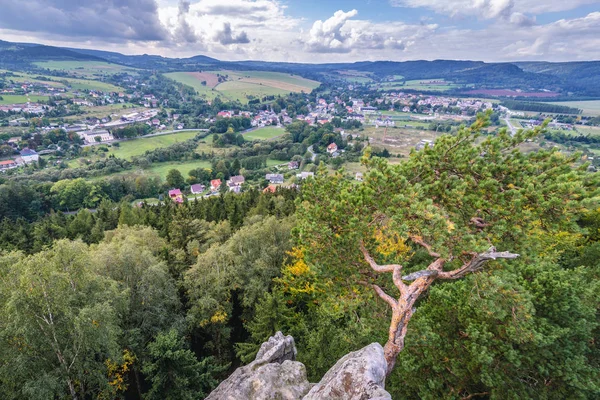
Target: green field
x,y
419,84
163,169
20,99
246,85
189,80
591,107
136,147
85,69
265,133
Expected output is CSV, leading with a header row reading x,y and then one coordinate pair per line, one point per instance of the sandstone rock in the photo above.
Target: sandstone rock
x,y
273,375
359,375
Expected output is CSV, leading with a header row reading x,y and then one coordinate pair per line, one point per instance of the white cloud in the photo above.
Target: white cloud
x,y
342,34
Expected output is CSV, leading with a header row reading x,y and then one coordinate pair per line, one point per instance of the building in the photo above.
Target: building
x,y
176,195
305,175
359,176
237,180
215,184
197,189
293,165
276,179
29,155
270,189
332,148
423,143
7,164
89,137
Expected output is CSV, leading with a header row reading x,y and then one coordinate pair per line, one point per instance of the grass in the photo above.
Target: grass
x,y
136,147
163,169
190,80
103,111
85,68
265,133
205,146
590,107
397,140
20,99
246,85
588,130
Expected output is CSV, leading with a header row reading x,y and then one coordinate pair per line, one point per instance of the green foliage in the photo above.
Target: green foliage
x,y
175,179
174,371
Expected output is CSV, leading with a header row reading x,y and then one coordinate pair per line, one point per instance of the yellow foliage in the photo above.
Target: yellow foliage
x,y
391,244
219,317
116,372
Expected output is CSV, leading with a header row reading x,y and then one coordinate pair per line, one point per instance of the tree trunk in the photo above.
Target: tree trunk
x,y
72,389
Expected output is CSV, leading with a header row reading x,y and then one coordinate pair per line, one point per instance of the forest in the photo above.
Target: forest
x,y
165,301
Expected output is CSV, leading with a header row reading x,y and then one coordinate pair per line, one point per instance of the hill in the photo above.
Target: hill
x,y
579,79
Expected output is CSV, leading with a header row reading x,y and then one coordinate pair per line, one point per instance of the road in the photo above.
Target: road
x,y
513,130
312,153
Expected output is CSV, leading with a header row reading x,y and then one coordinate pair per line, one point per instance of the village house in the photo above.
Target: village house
x,y
235,183
276,179
7,164
176,195
332,148
305,175
293,165
270,189
359,176
29,155
215,184
197,189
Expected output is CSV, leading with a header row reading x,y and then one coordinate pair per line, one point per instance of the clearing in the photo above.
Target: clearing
x,y
21,99
268,132
137,147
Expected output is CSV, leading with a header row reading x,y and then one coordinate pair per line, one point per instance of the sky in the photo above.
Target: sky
x,y
315,31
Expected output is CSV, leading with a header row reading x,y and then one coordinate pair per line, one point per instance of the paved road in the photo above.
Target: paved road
x,y
513,130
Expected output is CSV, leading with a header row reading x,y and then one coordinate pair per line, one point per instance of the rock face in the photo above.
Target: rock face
x,y
359,375
273,375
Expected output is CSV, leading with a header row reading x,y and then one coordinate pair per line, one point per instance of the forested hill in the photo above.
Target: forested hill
x,y
578,78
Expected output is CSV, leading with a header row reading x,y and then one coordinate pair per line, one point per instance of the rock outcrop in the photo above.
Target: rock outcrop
x,y
359,375
275,374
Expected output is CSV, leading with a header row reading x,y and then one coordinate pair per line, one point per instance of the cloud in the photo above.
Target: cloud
x,y
183,31
116,20
225,36
341,34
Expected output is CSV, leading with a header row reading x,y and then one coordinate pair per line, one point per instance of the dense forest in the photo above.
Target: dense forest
x,y
164,301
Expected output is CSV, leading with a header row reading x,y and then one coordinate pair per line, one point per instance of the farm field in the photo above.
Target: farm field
x,y
591,107
265,133
589,130
20,99
243,85
63,82
85,69
194,80
136,147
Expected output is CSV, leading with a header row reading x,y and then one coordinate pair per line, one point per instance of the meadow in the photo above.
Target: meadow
x,y
20,99
137,147
243,85
419,84
589,107
265,133
85,69
62,82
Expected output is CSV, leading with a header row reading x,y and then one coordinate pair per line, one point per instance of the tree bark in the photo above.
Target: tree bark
x,y
404,307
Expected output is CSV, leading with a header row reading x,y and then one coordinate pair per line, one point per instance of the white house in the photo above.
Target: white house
x,y
29,155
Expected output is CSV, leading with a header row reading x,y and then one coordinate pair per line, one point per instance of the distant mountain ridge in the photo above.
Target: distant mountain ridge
x,y
581,78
